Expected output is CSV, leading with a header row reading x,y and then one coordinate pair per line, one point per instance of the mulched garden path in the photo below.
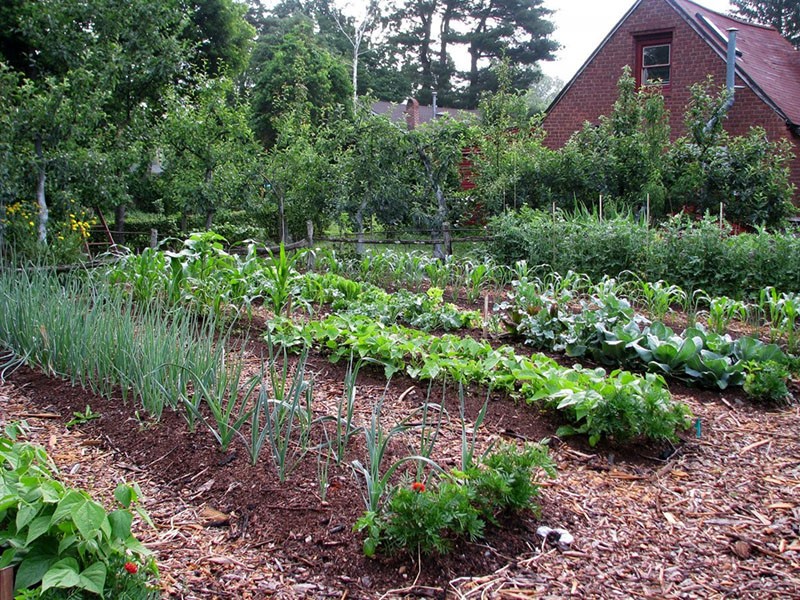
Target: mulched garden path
x,y
719,518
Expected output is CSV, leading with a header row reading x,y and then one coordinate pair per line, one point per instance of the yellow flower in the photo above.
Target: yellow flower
x,y
30,223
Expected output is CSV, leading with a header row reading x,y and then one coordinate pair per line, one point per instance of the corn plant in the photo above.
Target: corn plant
x,y
692,303
722,311
280,278
476,280
658,297
439,272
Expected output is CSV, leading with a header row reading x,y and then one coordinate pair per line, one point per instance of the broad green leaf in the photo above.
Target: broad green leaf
x,y
7,557
36,563
38,527
120,521
63,574
93,578
124,494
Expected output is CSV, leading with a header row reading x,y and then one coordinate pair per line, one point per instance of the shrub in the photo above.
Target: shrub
x,y
428,520
684,251
766,382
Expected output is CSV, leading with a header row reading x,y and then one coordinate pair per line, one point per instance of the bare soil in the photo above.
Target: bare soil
x,y
716,516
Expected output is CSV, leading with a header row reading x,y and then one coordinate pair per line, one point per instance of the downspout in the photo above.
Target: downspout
x,y
730,80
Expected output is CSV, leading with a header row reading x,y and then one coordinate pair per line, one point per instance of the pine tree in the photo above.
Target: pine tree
x,y
783,15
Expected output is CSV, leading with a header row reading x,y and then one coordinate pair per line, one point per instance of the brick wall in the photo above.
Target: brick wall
x,y
594,91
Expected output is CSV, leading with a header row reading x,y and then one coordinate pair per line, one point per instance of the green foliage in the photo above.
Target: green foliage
x,y
621,158
208,150
689,253
59,538
294,72
607,329
428,519
766,382
466,360
748,175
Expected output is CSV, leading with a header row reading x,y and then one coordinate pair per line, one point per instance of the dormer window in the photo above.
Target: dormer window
x,y
654,60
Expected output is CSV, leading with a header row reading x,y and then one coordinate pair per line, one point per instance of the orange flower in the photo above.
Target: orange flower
x,y
418,487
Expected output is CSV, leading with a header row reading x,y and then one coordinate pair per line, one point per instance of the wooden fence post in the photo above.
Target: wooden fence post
x,y
7,583
154,238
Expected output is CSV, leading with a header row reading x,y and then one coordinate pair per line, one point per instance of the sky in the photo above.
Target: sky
x,y
581,25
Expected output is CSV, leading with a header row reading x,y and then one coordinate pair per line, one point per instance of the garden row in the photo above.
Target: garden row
x,y
562,314
691,253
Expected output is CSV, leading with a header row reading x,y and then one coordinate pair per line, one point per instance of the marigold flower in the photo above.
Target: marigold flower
x,y
131,568
418,487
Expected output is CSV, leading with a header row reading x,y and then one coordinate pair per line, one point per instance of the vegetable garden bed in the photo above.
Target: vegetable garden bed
x,y
392,471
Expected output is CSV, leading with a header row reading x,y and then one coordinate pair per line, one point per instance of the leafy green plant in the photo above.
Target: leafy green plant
x,y
536,378
80,418
281,278
427,518
59,538
658,297
722,311
766,382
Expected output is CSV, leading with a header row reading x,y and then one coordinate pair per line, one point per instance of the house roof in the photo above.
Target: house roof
x,y
766,61
397,112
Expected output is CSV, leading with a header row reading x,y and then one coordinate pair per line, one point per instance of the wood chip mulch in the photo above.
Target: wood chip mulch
x,y
718,519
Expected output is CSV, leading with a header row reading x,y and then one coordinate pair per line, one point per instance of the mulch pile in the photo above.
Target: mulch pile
x,y
718,518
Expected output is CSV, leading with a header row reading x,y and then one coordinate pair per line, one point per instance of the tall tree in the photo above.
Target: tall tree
x,y
209,150
518,29
220,35
783,15
432,31
291,68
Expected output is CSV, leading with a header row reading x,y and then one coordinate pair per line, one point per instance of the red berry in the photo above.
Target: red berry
x,y
131,567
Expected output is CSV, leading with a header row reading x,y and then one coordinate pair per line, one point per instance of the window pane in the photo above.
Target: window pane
x,y
655,75
655,55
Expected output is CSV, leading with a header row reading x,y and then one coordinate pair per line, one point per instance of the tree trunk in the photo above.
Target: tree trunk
x,y
359,218
2,224
120,211
40,197
209,219
282,220
441,229
184,222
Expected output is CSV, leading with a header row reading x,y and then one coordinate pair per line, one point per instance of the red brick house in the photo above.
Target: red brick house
x,y
677,43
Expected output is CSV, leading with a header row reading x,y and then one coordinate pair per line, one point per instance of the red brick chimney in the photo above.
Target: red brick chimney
x,y
412,113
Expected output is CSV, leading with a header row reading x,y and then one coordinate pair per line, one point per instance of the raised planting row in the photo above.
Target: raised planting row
x,y
99,339
205,278
619,406
605,327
